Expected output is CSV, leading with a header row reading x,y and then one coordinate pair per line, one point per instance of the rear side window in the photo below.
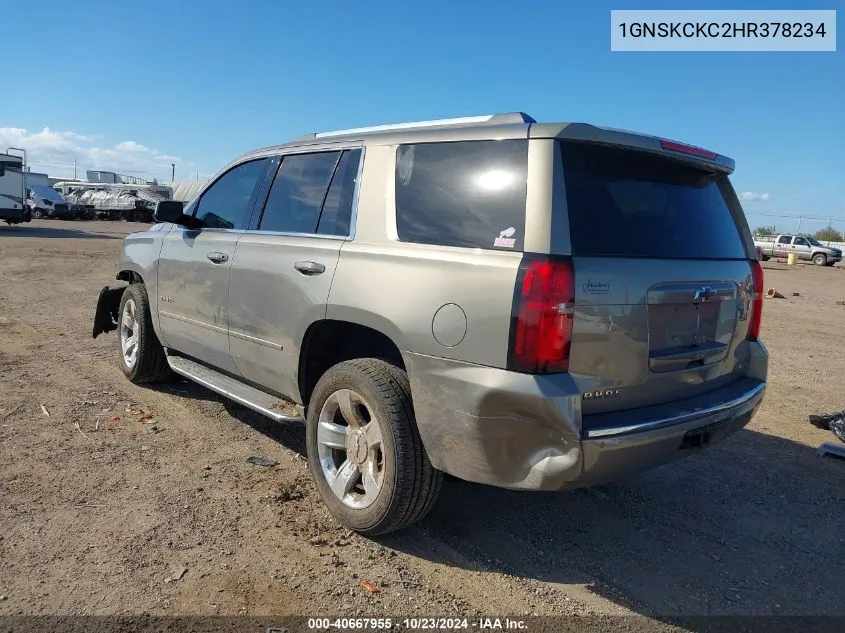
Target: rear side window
x,y
313,193
337,209
468,193
628,203
297,194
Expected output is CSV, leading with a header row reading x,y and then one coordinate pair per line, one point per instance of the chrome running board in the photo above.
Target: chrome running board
x,y
273,407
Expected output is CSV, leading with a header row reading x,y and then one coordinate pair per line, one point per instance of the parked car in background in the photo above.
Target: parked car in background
x,y
45,202
807,249
526,305
42,200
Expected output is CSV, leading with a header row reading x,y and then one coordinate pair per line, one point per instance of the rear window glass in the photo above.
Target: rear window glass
x,y
628,203
467,193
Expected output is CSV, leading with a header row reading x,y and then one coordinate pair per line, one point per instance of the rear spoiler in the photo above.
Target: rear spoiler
x,y
632,140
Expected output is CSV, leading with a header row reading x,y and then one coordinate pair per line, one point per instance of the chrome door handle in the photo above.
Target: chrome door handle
x,y
218,258
309,268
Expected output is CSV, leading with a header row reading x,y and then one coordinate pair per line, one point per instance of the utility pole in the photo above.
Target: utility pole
x,y
74,166
172,172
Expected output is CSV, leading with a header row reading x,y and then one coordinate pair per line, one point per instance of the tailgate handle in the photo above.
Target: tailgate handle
x,y
676,358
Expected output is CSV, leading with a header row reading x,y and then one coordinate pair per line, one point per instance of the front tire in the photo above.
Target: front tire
x,y
820,260
364,450
141,355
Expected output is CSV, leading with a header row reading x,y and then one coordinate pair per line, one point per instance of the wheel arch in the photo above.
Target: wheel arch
x,y
132,273
328,342
130,276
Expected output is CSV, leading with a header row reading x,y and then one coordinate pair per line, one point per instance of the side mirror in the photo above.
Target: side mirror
x,y
171,211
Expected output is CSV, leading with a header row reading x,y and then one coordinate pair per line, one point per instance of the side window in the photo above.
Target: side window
x,y
298,191
337,209
225,205
800,241
785,239
467,193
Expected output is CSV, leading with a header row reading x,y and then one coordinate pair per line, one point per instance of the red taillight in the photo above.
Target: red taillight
x,y
687,149
756,316
541,329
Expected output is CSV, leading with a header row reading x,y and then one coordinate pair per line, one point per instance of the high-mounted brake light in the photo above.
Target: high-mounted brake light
x,y
672,146
756,316
541,323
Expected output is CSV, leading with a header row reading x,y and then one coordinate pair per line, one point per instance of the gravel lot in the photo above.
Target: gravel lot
x,y
130,500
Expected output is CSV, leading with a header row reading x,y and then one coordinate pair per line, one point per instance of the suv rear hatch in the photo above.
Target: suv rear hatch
x,y
663,281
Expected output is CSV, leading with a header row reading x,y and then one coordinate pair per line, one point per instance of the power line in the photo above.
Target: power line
x,y
797,216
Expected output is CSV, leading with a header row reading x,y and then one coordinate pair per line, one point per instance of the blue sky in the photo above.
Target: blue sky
x,y
138,83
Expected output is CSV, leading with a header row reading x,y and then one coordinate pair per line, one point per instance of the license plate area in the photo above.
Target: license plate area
x,y
690,325
683,325
713,433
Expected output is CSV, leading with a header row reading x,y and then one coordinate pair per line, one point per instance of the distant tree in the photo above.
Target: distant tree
x,y
764,231
829,234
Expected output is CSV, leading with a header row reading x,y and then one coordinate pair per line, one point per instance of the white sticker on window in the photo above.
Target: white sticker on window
x,y
405,168
506,238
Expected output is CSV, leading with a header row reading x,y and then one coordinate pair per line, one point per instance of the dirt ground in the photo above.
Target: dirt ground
x,y
130,500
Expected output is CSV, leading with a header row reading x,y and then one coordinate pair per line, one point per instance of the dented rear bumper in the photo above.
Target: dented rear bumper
x,y
527,432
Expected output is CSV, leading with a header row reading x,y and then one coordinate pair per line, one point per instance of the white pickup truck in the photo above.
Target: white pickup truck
x,y
807,248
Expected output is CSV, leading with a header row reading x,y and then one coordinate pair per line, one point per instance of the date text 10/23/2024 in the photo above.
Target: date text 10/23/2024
x,y
413,624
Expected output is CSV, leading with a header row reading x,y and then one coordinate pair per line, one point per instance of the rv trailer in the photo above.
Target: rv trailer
x,y
12,207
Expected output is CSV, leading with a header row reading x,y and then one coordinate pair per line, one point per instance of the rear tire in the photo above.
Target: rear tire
x,y
820,259
37,215
141,355
403,483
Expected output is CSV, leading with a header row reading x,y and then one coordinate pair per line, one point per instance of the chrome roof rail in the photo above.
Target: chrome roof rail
x,y
487,119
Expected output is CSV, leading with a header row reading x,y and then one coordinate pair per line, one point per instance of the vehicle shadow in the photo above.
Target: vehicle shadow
x,y
749,527
752,526
290,435
60,231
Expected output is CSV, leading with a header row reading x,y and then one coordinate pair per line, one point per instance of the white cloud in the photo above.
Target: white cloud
x,y
753,196
53,152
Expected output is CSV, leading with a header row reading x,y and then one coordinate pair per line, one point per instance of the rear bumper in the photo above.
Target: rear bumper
x,y
526,432
57,213
661,440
